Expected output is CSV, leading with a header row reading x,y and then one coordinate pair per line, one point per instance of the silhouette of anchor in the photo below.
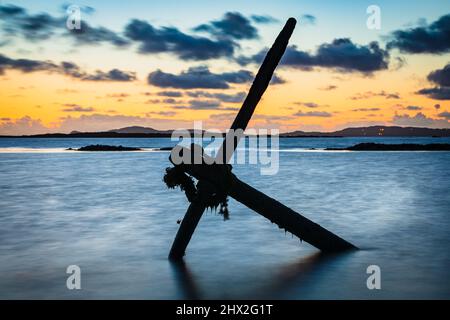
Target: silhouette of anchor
x,y
214,179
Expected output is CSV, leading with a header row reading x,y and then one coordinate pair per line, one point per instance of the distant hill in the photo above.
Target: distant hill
x,y
146,132
139,129
375,131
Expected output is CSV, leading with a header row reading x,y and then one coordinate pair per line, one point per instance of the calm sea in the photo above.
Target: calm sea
x,y
111,214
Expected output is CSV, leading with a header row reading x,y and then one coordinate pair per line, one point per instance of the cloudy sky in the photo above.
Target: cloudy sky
x,y
167,63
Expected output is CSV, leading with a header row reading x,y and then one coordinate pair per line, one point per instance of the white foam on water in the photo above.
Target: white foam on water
x,y
294,150
33,150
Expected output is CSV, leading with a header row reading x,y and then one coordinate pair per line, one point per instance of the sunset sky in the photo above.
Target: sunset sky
x,y
164,64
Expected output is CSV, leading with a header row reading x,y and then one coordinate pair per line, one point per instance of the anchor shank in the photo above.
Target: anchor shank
x,y
189,222
187,228
256,91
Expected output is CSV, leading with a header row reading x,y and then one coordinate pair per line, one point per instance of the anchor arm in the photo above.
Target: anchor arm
x,y
287,218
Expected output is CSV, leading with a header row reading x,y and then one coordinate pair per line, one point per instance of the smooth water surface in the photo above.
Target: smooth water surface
x,y
111,214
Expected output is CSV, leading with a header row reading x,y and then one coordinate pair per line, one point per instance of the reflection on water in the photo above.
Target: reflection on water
x,y
185,280
287,277
112,215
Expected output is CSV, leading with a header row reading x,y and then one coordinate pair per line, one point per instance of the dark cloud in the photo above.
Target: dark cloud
x,y
392,96
232,25
96,35
172,94
261,117
313,114
200,105
329,88
25,65
366,109
71,69
198,77
398,63
34,27
232,98
341,54
112,75
163,113
271,117
438,93
204,104
118,95
263,19
66,68
152,101
433,38
311,105
441,77
11,10
241,76
370,94
169,100
169,39
445,115
230,108
17,21
222,116
277,80
224,97
307,19
76,108
413,108
257,58
74,71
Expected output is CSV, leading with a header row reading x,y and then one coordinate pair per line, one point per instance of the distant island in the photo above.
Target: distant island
x,y
369,146
374,131
146,132
395,147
